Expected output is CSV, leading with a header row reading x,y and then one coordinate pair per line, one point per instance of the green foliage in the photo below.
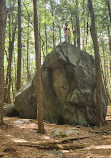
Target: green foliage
x,y
57,11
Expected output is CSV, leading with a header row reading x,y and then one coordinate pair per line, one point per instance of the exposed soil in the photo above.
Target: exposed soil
x,y
92,142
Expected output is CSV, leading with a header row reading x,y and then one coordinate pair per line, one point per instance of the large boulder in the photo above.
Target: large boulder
x,y
69,93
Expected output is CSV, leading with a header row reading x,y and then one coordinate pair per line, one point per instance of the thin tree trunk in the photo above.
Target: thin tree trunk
x,y
84,47
13,92
87,32
9,64
105,67
75,35
46,30
2,42
109,39
109,9
73,27
99,111
38,67
15,74
109,36
104,72
53,25
8,76
60,34
19,47
28,72
23,71
78,25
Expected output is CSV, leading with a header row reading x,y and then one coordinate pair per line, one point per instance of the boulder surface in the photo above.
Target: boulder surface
x,y
25,101
69,88
9,110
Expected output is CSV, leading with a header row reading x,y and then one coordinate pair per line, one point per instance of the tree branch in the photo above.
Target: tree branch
x,y
56,144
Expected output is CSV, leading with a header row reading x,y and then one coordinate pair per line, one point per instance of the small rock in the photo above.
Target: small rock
x,y
57,133
72,131
69,131
19,122
57,153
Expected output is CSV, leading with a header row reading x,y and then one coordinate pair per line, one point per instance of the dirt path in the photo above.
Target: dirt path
x,y
96,145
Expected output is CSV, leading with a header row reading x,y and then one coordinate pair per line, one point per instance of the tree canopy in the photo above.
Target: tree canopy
x,y
52,15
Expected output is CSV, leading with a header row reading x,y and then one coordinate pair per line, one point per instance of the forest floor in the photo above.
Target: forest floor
x,y
19,139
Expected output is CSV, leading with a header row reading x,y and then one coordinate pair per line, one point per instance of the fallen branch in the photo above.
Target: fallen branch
x,y
101,132
55,144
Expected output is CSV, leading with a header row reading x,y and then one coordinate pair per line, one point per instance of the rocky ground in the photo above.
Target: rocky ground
x,y
19,139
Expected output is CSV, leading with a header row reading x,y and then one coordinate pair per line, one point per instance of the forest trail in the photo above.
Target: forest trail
x,y
19,139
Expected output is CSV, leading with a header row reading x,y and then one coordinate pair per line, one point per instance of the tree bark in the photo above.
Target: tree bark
x,y
53,25
38,67
60,34
2,42
7,98
99,112
84,46
77,24
109,9
109,40
46,30
19,47
28,72
104,72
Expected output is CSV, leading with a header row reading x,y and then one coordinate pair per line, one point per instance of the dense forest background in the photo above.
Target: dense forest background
x,y
52,15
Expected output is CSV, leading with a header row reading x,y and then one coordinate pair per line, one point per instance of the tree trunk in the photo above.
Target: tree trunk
x,y
60,33
77,24
46,30
104,72
109,40
15,74
73,26
38,67
84,46
109,9
7,98
19,47
99,115
75,35
2,42
109,37
28,72
7,75
53,25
